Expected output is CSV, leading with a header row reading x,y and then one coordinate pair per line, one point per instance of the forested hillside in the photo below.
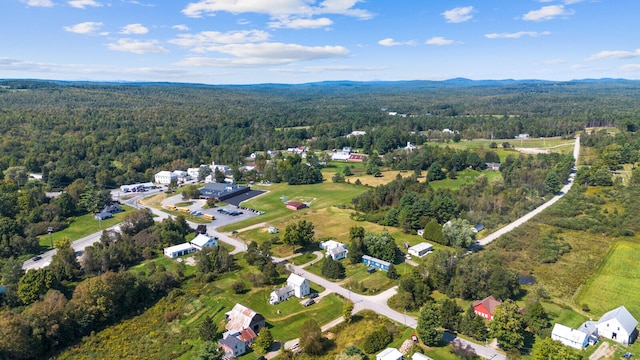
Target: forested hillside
x,y
120,133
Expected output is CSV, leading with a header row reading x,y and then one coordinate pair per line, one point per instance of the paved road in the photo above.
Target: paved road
x,y
493,236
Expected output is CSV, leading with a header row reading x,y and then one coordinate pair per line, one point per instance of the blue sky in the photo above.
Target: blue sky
x,y
297,41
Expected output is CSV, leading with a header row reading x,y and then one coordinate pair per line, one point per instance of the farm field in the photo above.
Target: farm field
x,y
615,280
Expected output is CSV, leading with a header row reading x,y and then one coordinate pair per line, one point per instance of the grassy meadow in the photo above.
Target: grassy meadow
x,y
82,226
616,279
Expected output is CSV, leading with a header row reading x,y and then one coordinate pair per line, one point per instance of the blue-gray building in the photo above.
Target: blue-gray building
x,y
222,191
376,263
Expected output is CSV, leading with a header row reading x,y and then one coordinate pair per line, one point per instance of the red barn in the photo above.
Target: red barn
x,y
294,205
486,307
355,158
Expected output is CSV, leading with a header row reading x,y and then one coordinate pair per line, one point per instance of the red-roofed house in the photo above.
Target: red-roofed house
x,y
294,205
355,158
486,307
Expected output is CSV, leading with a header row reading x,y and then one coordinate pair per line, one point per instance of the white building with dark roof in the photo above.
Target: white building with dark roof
x,y
165,177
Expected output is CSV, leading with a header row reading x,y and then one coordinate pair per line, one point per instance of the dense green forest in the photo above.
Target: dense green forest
x,y
112,134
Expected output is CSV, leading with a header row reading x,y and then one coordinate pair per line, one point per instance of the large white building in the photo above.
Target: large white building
x,y
164,177
421,249
618,325
202,241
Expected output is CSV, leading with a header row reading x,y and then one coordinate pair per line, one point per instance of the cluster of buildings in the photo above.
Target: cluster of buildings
x,y
348,155
242,328
180,176
618,325
200,242
335,250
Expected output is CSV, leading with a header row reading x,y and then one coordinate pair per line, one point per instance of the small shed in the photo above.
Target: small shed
x,y
295,205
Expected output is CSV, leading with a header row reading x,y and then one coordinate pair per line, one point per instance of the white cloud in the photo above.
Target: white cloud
x,y
547,13
205,40
256,55
136,29
38,3
516,35
458,15
137,47
439,40
180,27
277,8
300,23
614,55
391,42
88,27
82,4
630,67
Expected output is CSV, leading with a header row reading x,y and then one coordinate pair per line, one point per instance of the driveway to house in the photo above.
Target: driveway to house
x,y
485,352
493,236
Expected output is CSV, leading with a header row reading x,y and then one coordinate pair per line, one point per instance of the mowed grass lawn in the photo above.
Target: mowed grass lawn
x,y
83,226
616,283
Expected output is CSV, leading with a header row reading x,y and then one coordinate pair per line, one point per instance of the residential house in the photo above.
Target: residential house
x,y
241,317
202,241
410,147
389,354
179,250
295,205
301,286
477,228
232,347
486,307
165,177
356,133
334,249
522,136
376,263
493,166
570,337
194,173
296,286
618,325
421,249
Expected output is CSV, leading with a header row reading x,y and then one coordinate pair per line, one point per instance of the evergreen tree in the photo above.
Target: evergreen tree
x,y
429,323
392,273
207,329
433,232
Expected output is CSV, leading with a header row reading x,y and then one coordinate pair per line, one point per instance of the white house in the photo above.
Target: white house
x,y
194,173
296,285
570,337
340,156
301,286
618,325
179,250
410,146
389,354
203,241
181,174
334,249
421,249
164,177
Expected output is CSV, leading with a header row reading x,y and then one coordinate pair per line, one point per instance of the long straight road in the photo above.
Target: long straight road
x,y
495,235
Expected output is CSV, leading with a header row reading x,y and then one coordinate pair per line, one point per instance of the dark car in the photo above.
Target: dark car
x,y
313,295
309,302
37,258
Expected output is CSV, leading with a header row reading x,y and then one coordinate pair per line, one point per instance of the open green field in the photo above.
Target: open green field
x,y
617,278
466,176
82,226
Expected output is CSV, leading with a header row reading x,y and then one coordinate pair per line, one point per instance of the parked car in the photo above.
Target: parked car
x,y
36,258
313,295
309,302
